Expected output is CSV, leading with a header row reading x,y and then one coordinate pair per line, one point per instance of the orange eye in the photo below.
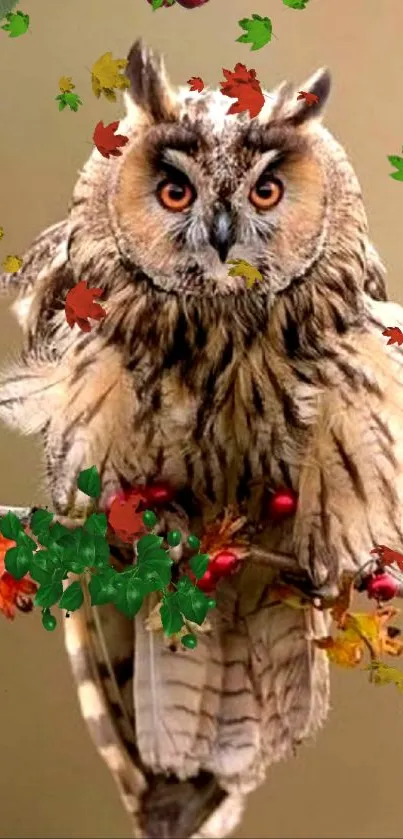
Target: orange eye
x,y
266,193
175,196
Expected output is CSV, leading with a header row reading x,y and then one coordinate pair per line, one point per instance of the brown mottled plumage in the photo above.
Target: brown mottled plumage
x,y
224,391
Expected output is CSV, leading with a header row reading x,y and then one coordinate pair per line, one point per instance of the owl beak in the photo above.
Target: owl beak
x,y
222,233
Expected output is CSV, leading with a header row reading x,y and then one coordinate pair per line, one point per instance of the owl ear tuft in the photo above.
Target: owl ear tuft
x,y
296,111
149,86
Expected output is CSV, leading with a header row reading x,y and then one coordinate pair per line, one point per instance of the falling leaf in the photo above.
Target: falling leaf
x,y
196,83
388,556
106,141
70,100
106,76
242,268
125,519
17,24
296,4
241,84
1,232
394,334
12,264
310,98
14,594
346,651
79,306
397,162
157,4
66,84
341,606
384,674
258,31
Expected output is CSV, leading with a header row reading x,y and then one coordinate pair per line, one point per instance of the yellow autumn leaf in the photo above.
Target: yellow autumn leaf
x,y
242,268
383,674
106,76
66,84
345,649
1,232
12,264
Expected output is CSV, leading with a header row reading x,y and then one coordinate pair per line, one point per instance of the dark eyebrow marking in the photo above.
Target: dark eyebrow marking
x,y
279,137
174,137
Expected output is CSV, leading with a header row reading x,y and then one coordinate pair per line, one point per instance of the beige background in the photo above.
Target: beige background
x,y
52,783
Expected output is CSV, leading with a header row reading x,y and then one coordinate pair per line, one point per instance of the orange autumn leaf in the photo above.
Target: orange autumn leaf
x,y
345,650
14,594
241,84
196,83
310,98
388,556
80,306
394,334
124,517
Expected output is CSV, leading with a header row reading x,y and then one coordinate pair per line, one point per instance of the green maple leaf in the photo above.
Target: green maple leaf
x,y
17,24
72,100
258,31
397,162
296,4
171,615
72,598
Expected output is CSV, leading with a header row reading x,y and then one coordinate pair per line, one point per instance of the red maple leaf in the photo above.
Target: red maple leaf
x,y
196,83
106,141
13,593
242,84
310,98
388,556
394,334
124,517
80,306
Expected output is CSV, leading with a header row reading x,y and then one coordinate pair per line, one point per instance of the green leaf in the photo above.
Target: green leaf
x,y
296,4
198,564
89,482
171,616
184,584
157,566
39,573
193,604
48,594
101,591
129,597
79,549
97,524
58,531
17,561
156,4
72,597
147,544
397,162
10,526
40,522
25,541
258,31
102,551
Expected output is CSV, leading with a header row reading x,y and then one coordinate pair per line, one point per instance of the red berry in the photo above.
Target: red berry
x,y
283,503
207,582
160,493
382,587
224,563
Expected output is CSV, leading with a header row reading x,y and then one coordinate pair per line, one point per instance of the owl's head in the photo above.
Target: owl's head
x,y
196,187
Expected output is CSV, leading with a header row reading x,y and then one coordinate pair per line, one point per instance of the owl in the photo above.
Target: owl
x,y
226,392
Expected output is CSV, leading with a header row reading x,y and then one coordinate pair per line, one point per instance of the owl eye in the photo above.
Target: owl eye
x,y
266,193
175,196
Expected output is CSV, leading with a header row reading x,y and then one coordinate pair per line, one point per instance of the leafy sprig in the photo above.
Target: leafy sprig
x,y
84,551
